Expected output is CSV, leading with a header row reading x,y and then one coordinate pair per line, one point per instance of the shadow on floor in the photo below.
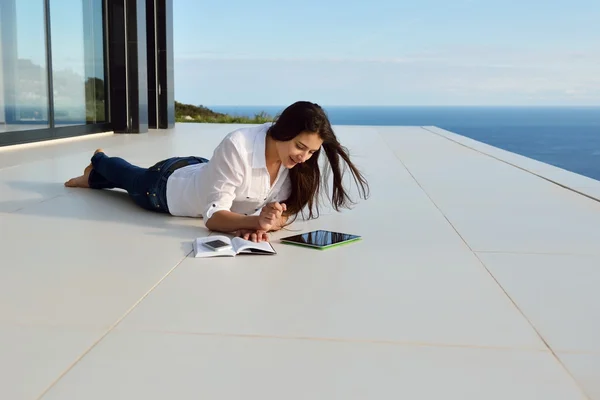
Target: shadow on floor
x,y
115,206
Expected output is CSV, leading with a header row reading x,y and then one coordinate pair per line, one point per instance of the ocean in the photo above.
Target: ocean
x,y
567,137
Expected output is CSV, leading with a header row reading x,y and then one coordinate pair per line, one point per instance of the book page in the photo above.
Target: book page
x,y
240,245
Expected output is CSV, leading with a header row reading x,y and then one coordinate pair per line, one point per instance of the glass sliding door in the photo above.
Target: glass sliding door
x,y
78,70
23,66
52,69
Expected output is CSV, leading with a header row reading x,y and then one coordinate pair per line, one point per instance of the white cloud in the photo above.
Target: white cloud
x,y
225,56
453,76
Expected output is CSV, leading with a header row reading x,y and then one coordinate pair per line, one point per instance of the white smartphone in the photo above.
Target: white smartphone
x,y
217,245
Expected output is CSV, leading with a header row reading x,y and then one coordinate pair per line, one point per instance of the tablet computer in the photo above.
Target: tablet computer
x,y
320,239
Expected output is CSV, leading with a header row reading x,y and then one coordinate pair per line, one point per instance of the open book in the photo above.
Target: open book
x,y
236,246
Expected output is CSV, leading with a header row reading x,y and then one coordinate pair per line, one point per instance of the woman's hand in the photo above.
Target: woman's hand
x,y
253,235
270,215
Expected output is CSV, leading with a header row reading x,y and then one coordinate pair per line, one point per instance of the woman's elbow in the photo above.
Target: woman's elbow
x,y
217,222
210,223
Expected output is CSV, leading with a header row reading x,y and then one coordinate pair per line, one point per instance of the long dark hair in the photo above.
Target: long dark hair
x,y
306,178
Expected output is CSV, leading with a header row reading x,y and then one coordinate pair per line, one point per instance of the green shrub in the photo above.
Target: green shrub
x,y
191,113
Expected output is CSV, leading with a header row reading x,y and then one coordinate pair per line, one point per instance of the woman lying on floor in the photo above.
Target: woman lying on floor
x,y
257,178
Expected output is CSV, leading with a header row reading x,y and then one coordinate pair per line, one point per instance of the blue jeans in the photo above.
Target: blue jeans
x,y
147,187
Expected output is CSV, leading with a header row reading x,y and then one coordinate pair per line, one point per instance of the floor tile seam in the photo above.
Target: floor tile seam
x,y
133,330
564,186
110,329
489,272
323,339
536,330
44,200
553,351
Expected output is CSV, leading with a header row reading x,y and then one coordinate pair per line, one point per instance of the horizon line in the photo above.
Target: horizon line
x,y
414,105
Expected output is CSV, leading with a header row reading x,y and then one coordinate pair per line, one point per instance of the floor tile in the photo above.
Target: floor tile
x,y
548,171
29,185
557,293
359,291
586,370
85,259
32,357
498,207
160,366
523,228
527,221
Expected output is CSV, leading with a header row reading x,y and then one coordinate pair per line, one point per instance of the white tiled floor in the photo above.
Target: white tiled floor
x,y
497,207
371,294
586,369
558,293
33,357
164,366
76,261
581,183
408,312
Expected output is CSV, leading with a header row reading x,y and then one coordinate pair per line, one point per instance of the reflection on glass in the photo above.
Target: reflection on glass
x,y
77,61
23,73
321,238
324,238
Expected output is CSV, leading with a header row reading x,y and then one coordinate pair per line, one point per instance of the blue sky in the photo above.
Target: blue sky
x,y
387,52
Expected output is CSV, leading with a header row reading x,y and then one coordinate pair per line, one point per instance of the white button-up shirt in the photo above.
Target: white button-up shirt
x,y
235,179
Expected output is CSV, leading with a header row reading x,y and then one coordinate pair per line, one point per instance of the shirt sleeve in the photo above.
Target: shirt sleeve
x,y
225,171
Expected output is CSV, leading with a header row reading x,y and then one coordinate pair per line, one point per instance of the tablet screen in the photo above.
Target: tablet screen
x,y
320,238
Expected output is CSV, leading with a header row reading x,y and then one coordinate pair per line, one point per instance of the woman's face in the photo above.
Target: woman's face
x,y
299,149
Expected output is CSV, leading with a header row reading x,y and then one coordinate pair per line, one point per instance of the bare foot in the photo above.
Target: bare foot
x,y
82,181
